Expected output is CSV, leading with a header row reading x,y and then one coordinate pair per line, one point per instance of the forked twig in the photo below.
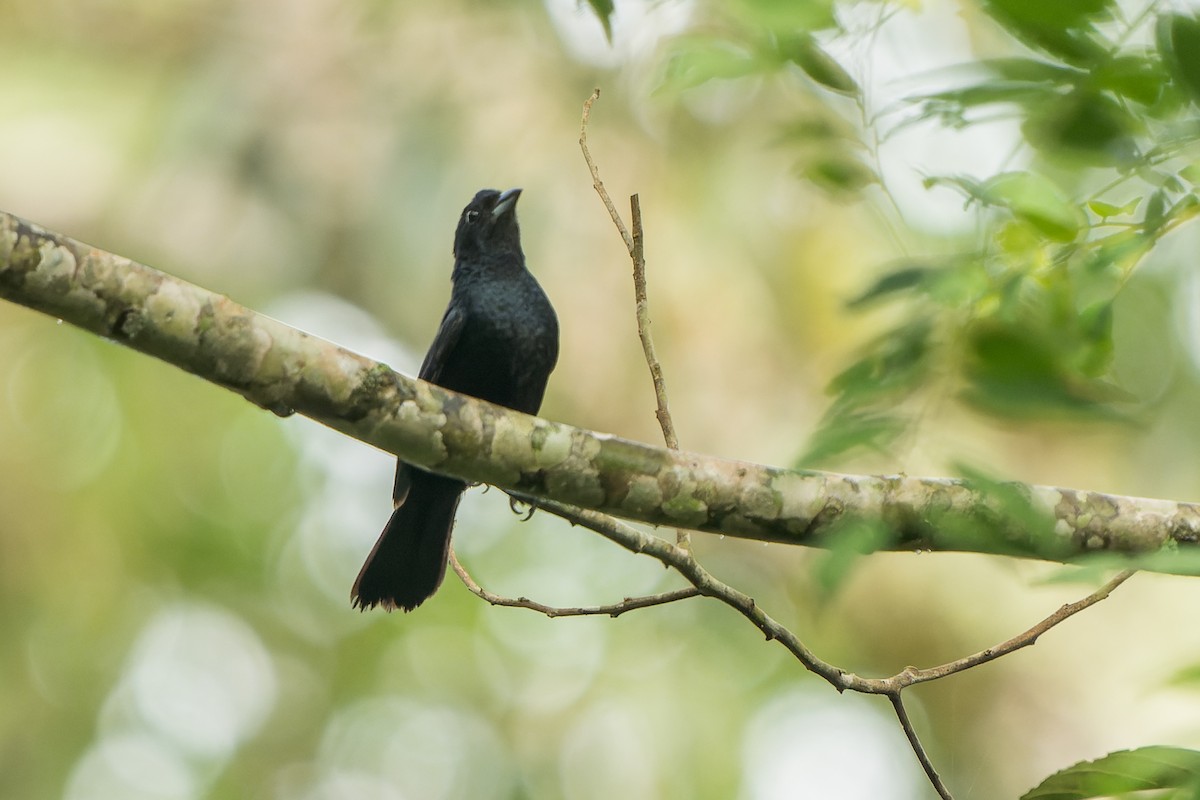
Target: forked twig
x,y
635,244
1026,638
680,558
611,610
706,584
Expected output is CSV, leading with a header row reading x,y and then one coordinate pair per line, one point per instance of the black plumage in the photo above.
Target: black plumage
x,y
498,341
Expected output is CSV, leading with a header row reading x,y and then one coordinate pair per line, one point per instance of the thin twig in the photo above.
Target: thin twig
x,y
643,325
912,676
611,610
681,559
635,244
918,748
598,184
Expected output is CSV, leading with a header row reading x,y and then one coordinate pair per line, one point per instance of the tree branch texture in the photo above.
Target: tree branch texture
x,y
286,370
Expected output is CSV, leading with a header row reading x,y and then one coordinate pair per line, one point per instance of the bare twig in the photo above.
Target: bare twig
x,y
682,560
918,748
643,325
611,610
635,244
598,184
912,676
706,584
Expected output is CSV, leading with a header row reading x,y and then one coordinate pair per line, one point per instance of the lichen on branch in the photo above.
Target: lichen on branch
x,y
284,370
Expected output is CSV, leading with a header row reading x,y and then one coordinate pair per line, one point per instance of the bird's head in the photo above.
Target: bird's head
x,y
488,225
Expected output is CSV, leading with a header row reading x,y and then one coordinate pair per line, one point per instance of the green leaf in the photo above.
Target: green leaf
x,y
1191,174
1096,567
1124,773
1139,78
896,281
695,60
844,430
1063,28
839,174
604,11
1179,43
786,15
1103,209
894,363
1119,250
804,51
1031,70
1106,210
1035,199
1010,521
1040,15
1020,372
1155,212
1087,125
1096,326
1186,678
845,545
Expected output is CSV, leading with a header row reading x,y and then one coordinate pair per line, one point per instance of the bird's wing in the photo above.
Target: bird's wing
x,y
443,344
431,370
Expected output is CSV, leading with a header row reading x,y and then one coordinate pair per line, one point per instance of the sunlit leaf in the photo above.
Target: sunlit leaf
x,y
1036,200
788,15
1103,209
1191,174
1186,678
695,60
1185,207
1119,250
839,174
1124,774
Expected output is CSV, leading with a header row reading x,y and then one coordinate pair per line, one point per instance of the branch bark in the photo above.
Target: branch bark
x,y
286,370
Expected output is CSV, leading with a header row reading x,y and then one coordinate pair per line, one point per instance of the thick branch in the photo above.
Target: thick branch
x,y
285,370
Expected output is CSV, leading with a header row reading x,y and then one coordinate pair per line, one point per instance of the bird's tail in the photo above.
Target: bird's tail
x,y
409,561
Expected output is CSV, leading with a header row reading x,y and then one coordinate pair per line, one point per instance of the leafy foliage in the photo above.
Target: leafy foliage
x,y
1019,324
1016,323
1170,772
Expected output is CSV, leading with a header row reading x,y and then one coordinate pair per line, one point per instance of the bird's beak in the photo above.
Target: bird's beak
x,y
506,203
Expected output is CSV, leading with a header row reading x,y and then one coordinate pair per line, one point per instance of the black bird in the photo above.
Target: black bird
x,y
498,341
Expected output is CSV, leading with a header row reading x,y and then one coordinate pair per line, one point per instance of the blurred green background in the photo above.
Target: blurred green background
x,y
175,564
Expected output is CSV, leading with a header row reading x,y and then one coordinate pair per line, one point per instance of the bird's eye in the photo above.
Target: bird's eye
x,y
471,216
